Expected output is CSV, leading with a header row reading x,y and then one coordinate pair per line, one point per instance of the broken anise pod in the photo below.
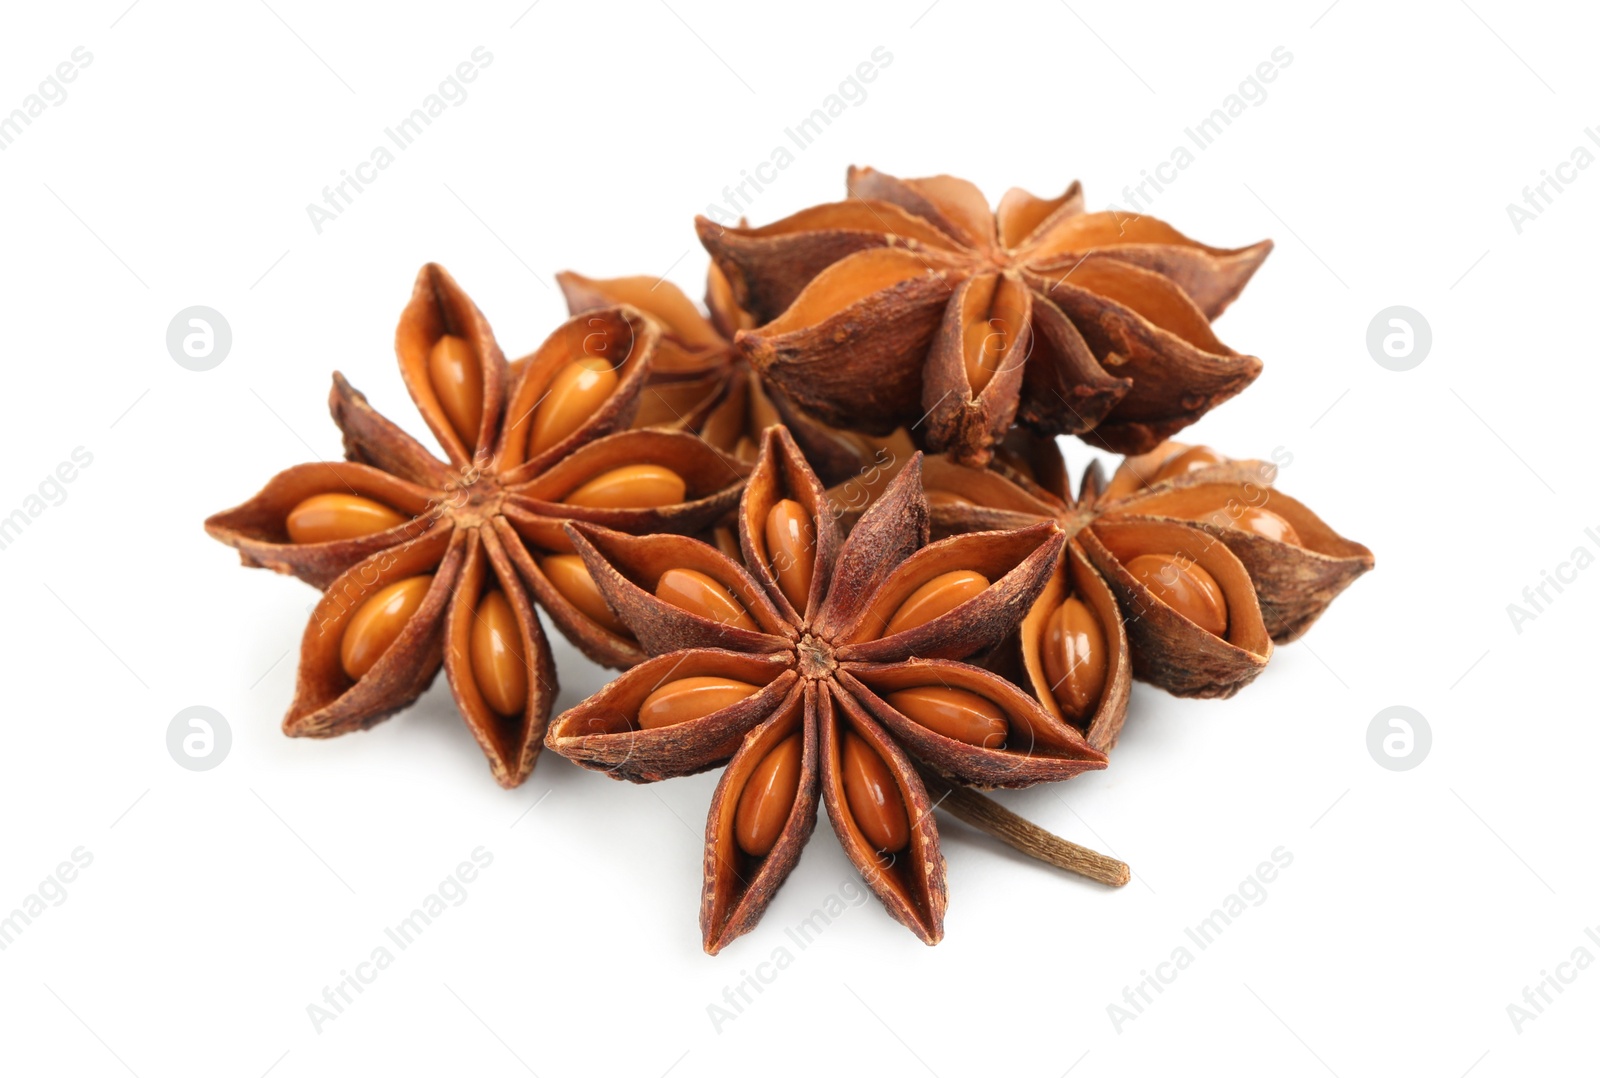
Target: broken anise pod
x,y
427,563
913,299
820,667
1183,570
700,383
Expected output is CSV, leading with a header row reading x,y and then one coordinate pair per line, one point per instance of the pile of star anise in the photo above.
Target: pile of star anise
x,y
826,531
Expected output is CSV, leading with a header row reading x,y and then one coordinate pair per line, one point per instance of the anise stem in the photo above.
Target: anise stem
x,y
992,818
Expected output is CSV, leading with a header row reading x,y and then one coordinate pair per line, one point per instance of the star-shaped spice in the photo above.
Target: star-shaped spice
x,y
912,302
1182,571
821,667
428,562
700,382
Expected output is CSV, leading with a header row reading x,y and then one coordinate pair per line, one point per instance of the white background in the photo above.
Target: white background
x,y
219,904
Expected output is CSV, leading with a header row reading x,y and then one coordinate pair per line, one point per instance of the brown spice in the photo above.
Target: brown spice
x,y
822,724
429,563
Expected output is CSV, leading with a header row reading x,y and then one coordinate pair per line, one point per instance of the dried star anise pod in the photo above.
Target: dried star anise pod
x,y
699,381
427,562
1182,571
911,299
821,667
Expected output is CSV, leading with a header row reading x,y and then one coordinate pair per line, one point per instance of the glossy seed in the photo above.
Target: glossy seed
x,y
873,796
1075,659
323,518
983,345
1185,587
568,575
955,713
499,665
378,622
768,797
938,596
1193,459
458,383
691,698
1248,518
791,550
694,591
938,498
635,486
575,394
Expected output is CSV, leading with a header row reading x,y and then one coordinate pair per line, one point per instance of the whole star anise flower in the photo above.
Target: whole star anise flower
x,y
912,301
1182,571
428,562
821,666
700,382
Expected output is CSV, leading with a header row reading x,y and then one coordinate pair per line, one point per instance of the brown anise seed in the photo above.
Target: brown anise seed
x,y
1073,653
1249,518
634,486
791,550
458,383
498,664
984,344
1184,586
568,575
874,798
691,698
575,394
1189,460
955,713
376,625
938,596
694,591
322,518
767,797
937,498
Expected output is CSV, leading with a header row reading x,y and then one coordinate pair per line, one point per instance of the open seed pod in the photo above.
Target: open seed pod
x,y
431,562
913,300
817,667
700,383
1183,569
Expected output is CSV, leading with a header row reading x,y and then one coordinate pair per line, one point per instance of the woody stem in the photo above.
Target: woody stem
x,y
992,818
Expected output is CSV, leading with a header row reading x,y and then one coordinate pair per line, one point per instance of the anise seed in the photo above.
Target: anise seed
x,y
767,797
458,383
1075,660
955,713
634,486
378,622
691,698
694,591
498,664
323,518
575,394
1185,587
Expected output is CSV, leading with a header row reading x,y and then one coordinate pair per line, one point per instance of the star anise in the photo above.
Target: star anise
x,y
700,382
1182,571
911,299
428,562
821,666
